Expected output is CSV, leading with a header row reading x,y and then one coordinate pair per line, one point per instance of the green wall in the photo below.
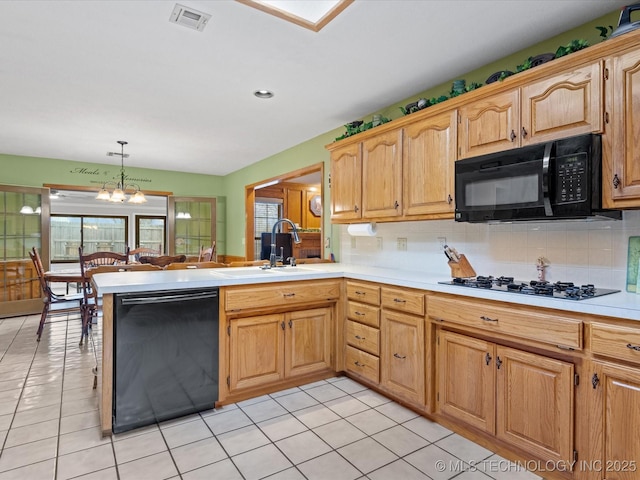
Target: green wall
x,y
313,151
230,189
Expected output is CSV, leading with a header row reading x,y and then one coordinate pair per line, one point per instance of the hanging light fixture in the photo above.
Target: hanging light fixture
x,y
118,194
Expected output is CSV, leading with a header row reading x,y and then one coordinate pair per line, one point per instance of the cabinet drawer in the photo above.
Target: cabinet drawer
x,y
364,313
617,342
402,300
363,363
363,337
281,294
363,292
514,320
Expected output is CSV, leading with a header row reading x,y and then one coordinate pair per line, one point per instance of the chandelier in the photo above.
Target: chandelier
x,y
118,194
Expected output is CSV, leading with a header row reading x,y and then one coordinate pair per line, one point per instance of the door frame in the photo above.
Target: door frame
x,y
250,198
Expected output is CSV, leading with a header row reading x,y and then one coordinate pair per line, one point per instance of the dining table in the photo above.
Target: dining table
x,y
67,275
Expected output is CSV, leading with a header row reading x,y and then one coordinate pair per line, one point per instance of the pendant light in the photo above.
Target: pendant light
x,y
118,195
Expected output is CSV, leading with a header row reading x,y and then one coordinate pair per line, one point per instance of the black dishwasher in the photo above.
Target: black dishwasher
x,y
165,359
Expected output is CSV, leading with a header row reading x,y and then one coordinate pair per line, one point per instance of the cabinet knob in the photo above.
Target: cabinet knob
x,y
396,205
513,136
616,181
595,381
355,208
449,199
524,132
487,358
498,362
282,325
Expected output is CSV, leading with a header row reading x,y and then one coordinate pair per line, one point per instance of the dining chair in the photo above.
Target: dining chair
x,y
164,260
54,304
195,265
208,254
136,253
88,263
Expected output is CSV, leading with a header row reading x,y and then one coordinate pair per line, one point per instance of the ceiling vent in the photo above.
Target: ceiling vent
x,y
189,17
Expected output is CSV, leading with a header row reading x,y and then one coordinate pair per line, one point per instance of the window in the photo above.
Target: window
x,y
151,232
194,226
267,212
94,233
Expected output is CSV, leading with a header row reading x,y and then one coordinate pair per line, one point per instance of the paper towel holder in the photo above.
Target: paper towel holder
x,y
362,229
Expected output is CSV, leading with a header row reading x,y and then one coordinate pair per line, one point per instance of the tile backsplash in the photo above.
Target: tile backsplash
x,y
578,251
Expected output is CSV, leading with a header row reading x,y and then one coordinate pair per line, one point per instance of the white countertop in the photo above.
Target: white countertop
x,y
619,305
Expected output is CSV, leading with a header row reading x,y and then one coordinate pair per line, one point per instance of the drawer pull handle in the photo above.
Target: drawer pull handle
x,y
359,337
360,314
288,295
399,300
488,319
401,357
358,292
358,364
634,347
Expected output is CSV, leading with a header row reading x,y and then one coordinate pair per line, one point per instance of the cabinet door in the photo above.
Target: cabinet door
x,y
382,175
535,403
625,129
564,105
428,160
489,125
466,379
402,355
256,351
307,342
618,395
346,183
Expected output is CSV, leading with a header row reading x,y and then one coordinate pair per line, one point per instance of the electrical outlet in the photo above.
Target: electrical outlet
x,y
327,242
443,241
353,242
379,240
402,243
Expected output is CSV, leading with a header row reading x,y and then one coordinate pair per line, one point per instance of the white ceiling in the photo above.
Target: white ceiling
x,y
76,76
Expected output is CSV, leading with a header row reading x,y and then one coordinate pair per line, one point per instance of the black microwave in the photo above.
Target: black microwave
x,y
549,181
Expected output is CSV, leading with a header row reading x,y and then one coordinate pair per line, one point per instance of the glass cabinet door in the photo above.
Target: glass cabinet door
x,y
192,225
24,216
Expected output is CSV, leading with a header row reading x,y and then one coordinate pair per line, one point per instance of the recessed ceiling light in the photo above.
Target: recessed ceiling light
x,y
263,93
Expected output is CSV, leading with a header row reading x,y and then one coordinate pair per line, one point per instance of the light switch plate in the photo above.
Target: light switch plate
x,y
402,243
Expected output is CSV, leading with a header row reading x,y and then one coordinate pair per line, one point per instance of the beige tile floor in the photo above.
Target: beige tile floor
x,y
335,429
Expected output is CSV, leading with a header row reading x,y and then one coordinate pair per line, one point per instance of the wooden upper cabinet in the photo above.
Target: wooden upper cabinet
x,y
621,175
346,183
428,161
563,105
489,125
382,175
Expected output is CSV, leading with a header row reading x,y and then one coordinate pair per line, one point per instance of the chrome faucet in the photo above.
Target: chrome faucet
x,y
296,238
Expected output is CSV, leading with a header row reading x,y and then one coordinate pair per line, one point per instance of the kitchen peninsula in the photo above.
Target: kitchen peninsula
x,y
529,377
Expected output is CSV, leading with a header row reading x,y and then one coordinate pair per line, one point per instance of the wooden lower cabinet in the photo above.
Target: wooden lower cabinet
x,y
466,380
402,355
266,349
307,347
616,391
256,347
524,399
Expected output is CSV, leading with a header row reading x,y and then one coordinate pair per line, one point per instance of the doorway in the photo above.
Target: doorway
x,y
295,195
